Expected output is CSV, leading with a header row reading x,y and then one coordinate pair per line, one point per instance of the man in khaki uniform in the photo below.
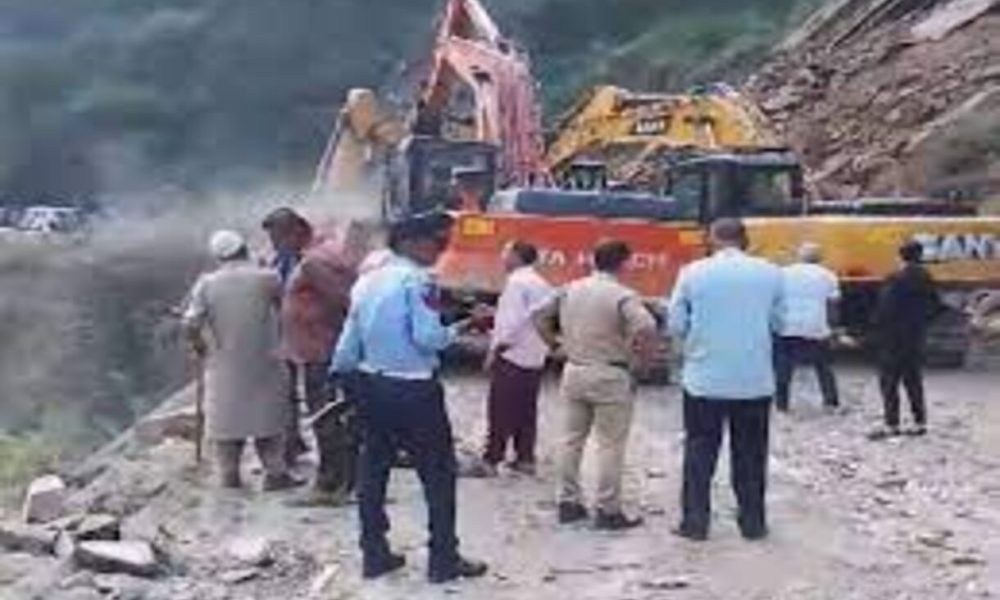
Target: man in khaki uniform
x,y
605,330
247,384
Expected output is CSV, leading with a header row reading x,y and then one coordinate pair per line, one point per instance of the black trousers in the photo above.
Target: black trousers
x,y
512,412
410,415
902,366
749,421
790,352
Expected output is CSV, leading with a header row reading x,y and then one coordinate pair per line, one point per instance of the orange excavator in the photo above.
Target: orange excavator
x,y
475,118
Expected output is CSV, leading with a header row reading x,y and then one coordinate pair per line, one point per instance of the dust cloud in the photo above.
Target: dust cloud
x,y
90,336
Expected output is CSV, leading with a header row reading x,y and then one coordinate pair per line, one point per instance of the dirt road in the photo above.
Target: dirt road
x,y
906,518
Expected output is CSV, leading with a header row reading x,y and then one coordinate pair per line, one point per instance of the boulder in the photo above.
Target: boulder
x,y
252,551
32,539
45,500
98,527
132,558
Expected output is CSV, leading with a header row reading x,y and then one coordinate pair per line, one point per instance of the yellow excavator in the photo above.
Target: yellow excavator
x,y
631,134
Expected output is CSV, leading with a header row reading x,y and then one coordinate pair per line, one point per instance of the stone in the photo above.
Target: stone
x,y
967,560
100,527
322,585
254,551
121,587
31,539
80,579
45,500
133,558
65,545
238,576
670,583
181,423
937,539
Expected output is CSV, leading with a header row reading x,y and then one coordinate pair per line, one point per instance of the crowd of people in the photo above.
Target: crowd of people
x,y
357,335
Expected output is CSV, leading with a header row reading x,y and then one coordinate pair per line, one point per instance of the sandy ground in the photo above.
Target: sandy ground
x,y
906,518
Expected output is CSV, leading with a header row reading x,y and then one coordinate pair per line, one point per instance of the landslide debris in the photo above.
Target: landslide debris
x,y
891,97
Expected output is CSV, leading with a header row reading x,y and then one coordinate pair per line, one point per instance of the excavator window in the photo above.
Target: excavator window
x,y
722,186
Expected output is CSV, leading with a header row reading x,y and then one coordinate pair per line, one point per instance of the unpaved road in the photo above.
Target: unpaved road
x,y
851,519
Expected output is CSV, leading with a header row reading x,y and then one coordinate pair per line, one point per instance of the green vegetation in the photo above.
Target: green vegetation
x,y
21,458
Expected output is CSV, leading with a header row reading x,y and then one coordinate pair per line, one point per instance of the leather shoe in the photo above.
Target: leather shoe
x,y
690,534
373,568
616,521
460,568
571,512
277,483
754,534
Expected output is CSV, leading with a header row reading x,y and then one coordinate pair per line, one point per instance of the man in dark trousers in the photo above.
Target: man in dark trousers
x,y
907,304
725,310
390,343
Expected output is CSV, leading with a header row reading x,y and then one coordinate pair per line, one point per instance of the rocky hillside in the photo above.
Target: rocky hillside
x,y
892,96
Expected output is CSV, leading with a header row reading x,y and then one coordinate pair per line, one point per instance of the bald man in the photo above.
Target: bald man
x,y
725,310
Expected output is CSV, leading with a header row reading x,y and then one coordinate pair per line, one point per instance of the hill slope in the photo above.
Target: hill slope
x,y
892,96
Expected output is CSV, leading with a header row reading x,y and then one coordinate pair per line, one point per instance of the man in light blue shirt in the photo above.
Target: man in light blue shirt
x,y
389,349
725,310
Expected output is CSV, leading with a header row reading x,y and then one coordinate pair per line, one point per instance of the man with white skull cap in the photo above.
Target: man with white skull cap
x,y
246,382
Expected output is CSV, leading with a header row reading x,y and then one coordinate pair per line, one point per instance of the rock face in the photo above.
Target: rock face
x,y
132,558
873,94
45,500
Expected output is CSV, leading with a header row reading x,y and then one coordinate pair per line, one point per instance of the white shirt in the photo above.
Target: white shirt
x,y
525,292
807,289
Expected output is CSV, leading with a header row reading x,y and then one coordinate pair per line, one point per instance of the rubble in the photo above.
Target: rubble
x,y
33,539
896,518
179,423
99,527
238,576
882,80
133,558
45,500
949,17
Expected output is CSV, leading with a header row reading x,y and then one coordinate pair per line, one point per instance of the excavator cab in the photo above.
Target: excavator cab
x,y
738,185
585,175
423,172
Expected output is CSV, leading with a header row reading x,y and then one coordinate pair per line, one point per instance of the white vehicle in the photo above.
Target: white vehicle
x,y
52,219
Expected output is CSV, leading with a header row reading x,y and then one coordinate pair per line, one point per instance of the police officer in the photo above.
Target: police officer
x,y
390,345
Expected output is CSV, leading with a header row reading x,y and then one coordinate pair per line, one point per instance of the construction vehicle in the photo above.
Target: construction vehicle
x,y
631,133
713,158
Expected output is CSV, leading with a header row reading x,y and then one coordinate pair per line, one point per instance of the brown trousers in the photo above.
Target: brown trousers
x,y
512,412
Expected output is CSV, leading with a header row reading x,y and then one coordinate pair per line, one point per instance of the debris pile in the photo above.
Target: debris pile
x,y
869,90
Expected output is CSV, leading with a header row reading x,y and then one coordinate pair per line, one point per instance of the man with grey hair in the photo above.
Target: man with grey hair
x,y
811,292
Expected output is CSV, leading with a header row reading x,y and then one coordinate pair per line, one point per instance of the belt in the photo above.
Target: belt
x,y
616,364
402,375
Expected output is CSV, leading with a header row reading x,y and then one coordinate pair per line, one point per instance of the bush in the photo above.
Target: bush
x,y
21,460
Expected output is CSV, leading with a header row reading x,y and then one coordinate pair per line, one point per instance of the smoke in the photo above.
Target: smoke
x,y
91,340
